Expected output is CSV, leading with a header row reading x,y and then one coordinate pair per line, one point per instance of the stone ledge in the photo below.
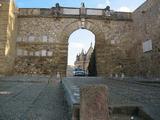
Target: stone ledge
x,y
42,12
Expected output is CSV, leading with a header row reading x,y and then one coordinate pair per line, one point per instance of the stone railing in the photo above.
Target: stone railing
x,y
69,12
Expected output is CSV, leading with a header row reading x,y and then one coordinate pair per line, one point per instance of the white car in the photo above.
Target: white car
x,y
79,72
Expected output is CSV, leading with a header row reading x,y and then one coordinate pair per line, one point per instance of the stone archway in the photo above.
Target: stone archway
x,y
62,47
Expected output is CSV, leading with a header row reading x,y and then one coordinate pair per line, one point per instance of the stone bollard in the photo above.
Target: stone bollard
x,y
116,75
94,103
58,75
75,113
122,76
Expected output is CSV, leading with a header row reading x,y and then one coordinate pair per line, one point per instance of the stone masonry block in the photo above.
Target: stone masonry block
x,y
94,103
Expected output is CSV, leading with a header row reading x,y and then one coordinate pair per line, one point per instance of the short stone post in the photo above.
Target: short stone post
x,y
58,75
94,103
75,113
116,75
122,76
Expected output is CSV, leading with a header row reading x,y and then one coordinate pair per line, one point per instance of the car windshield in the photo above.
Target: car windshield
x,y
78,69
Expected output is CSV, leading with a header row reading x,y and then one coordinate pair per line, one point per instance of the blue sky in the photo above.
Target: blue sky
x,y
115,4
81,39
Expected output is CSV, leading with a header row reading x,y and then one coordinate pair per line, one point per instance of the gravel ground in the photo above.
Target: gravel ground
x,y
32,100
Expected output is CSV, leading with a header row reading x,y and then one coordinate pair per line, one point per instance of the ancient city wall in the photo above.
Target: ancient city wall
x,y
146,36
117,38
42,40
138,52
36,41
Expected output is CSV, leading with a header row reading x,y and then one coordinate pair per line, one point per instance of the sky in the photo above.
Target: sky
x,y
81,39
78,40
114,4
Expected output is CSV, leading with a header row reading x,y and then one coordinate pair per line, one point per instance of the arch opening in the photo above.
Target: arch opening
x,y
80,48
99,44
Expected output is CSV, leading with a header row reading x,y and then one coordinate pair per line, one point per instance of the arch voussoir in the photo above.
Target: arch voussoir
x,y
100,40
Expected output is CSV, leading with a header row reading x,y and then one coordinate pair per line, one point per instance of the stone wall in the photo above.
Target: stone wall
x,y
146,21
36,33
117,35
4,9
129,55
36,46
7,36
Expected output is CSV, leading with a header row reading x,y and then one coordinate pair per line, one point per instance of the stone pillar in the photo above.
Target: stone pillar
x,y
62,52
100,55
7,36
4,11
94,103
75,113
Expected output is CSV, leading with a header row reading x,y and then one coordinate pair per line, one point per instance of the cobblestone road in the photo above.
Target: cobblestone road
x,y
126,93
38,98
32,99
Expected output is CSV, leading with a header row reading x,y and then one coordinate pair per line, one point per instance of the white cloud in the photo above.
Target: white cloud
x,y
76,45
124,9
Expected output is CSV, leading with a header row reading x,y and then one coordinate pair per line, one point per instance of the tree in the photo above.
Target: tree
x,y
92,70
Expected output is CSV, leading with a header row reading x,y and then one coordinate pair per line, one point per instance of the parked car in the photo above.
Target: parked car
x,y
79,72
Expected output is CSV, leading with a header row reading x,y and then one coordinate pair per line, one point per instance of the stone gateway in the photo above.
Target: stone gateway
x,y
35,41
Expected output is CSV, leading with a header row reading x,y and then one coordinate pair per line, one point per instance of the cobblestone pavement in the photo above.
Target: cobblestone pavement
x,y
32,98
125,93
42,98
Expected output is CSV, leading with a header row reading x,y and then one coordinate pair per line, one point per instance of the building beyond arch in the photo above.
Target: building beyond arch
x,y
83,59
